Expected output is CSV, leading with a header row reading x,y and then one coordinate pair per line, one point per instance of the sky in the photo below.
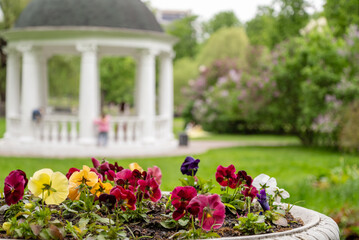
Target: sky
x,y
244,9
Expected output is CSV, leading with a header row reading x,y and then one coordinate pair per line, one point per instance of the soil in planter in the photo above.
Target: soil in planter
x,y
152,228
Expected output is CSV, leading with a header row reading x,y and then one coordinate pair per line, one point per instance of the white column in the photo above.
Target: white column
x,y
89,106
30,90
147,93
44,82
166,92
12,90
136,94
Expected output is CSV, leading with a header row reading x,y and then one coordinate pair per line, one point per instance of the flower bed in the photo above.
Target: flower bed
x,y
110,202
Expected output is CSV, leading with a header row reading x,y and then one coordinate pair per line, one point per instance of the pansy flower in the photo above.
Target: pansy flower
x,y
15,184
242,177
126,179
262,199
268,183
226,176
78,180
150,189
104,168
100,188
85,176
180,197
71,171
124,198
209,210
155,172
134,166
190,166
50,186
250,191
107,200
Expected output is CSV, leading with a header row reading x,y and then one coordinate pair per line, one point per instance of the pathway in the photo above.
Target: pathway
x,y
56,151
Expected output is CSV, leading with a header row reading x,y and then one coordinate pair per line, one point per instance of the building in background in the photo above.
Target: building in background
x,y
165,17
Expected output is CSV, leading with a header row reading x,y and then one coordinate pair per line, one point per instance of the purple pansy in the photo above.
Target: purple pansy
x,y
190,166
262,199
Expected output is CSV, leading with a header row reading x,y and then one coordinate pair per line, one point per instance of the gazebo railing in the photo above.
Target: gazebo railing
x,y
161,126
57,129
64,129
125,130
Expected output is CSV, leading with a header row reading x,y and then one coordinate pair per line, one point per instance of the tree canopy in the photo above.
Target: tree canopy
x,y
221,20
184,30
341,14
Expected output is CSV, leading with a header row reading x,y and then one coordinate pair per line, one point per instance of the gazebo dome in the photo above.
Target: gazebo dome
x,y
123,14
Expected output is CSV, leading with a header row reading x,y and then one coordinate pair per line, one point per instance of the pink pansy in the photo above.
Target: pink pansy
x,y
181,196
210,211
15,184
124,198
126,179
150,189
155,172
226,176
96,163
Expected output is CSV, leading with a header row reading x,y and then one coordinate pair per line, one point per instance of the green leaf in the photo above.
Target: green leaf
x,y
83,223
183,222
169,224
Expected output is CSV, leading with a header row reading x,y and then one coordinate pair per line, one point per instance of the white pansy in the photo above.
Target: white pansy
x,y
281,193
264,181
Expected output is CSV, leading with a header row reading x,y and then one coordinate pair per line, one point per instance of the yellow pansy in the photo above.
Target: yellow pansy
x,y
85,176
134,166
74,193
100,188
51,186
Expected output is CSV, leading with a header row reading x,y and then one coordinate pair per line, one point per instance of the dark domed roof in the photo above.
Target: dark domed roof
x,y
129,14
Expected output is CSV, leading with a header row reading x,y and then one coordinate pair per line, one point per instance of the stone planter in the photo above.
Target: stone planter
x,y
316,227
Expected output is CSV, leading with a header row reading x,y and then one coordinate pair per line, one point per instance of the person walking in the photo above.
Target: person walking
x,y
103,125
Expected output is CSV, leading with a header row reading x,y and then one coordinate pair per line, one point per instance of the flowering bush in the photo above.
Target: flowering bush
x,y
111,202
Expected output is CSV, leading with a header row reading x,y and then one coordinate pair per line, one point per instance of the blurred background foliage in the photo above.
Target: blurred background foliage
x,y
287,70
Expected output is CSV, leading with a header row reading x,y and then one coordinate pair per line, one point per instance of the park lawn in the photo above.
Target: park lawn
x,y
2,127
292,166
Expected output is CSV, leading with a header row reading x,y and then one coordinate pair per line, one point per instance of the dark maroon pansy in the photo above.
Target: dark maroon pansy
x,y
14,186
107,200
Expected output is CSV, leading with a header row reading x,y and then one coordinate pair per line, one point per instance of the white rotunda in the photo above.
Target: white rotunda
x,y
92,29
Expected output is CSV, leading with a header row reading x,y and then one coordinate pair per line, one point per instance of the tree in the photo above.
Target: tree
x,y
271,27
262,28
341,14
184,70
291,18
220,20
186,33
64,78
226,43
117,79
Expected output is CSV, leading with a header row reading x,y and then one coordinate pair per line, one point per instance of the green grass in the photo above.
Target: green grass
x,y
251,138
2,127
292,166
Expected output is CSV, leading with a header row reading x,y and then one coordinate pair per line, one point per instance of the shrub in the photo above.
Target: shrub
x,y
349,134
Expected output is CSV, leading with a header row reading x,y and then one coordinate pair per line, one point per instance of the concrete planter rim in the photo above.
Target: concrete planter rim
x,y
316,227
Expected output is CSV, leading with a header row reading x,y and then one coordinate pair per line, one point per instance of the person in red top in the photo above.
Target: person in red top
x,y
103,127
